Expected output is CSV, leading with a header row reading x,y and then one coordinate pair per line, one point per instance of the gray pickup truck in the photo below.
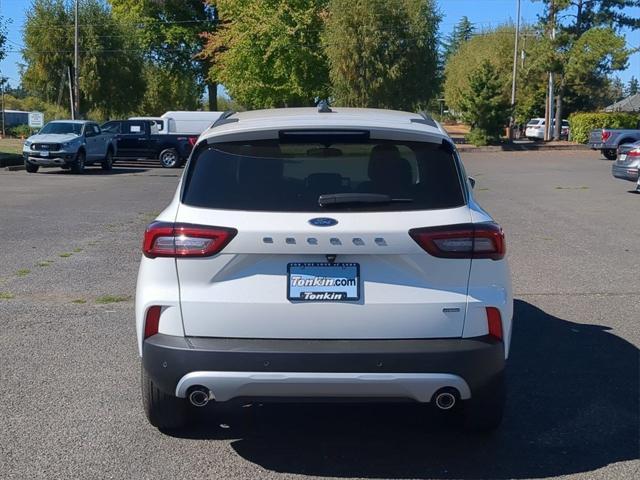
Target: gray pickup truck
x,y
70,144
607,140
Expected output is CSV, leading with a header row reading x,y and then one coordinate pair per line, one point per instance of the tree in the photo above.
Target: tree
x,y
579,16
109,67
383,54
171,35
268,53
496,46
462,32
633,86
484,105
3,38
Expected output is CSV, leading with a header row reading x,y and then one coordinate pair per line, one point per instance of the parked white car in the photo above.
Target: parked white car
x,y
535,129
325,254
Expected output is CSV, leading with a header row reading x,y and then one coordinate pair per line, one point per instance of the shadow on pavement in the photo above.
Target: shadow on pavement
x,y
94,171
573,407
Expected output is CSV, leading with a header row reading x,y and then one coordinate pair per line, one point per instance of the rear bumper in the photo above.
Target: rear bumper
x,y
629,172
233,368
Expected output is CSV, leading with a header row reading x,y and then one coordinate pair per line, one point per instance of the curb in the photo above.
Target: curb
x,y
521,148
14,168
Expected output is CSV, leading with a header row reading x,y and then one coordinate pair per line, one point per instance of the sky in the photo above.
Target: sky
x,y
483,13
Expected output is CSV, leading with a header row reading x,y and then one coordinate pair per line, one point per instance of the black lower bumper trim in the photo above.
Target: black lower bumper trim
x,y
168,358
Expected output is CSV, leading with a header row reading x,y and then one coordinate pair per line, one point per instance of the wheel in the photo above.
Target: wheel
x,y
610,153
78,165
107,163
484,411
163,411
169,158
30,167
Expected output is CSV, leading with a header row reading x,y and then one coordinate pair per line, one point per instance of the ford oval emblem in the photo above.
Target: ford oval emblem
x,y
323,222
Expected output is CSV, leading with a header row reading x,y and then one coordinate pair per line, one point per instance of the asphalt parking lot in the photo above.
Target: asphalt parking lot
x,y
69,393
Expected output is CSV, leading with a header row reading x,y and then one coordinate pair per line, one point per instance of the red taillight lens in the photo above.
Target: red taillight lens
x,y
185,240
469,240
634,153
152,321
494,320
193,141
605,135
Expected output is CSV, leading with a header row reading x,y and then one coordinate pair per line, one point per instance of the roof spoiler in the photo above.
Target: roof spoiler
x,y
224,119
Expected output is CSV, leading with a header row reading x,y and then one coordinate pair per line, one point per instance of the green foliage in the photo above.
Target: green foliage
x,y
3,38
633,86
583,15
33,104
582,123
484,105
169,90
109,66
462,32
268,52
20,131
494,46
171,34
383,54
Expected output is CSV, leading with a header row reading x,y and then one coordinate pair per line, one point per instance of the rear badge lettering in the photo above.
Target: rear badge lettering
x,y
323,222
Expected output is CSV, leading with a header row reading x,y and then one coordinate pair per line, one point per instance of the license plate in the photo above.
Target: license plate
x,y
323,282
623,157
44,154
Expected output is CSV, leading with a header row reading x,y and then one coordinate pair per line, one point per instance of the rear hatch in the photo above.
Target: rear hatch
x,y
322,248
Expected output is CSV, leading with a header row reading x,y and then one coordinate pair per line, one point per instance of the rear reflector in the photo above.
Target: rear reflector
x,y
185,240
468,240
152,321
494,321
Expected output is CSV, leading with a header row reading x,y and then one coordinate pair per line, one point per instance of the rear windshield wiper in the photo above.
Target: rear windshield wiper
x,y
330,199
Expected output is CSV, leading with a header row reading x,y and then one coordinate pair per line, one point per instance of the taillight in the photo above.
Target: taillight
x,y
634,153
193,141
494,321
468,240
605,135
152,321
185,240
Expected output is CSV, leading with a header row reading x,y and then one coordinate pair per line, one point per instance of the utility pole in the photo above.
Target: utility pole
x,y
76,65
71,102
515,71
548,114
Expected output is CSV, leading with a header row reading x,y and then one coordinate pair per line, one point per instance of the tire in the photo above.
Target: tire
x,y
30,167
78,165
107,163
609,153
483,412
169,158
163,411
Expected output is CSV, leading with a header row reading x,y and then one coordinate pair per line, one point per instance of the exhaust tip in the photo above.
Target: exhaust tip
x,y
199,396
446,398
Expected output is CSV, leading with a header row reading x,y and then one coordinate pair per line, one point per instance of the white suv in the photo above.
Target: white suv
x,y
327,254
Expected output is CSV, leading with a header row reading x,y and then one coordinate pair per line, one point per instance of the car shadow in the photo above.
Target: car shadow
x,y
573,407
95,171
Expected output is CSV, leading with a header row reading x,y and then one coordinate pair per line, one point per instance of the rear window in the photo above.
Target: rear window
x,y
290,177
533,122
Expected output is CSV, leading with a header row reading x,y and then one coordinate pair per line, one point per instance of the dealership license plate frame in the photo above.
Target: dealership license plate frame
x,y
311,270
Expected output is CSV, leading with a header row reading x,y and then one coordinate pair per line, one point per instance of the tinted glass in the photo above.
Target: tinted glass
x,y
62,128
273,176
533,122
111,127
133,128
